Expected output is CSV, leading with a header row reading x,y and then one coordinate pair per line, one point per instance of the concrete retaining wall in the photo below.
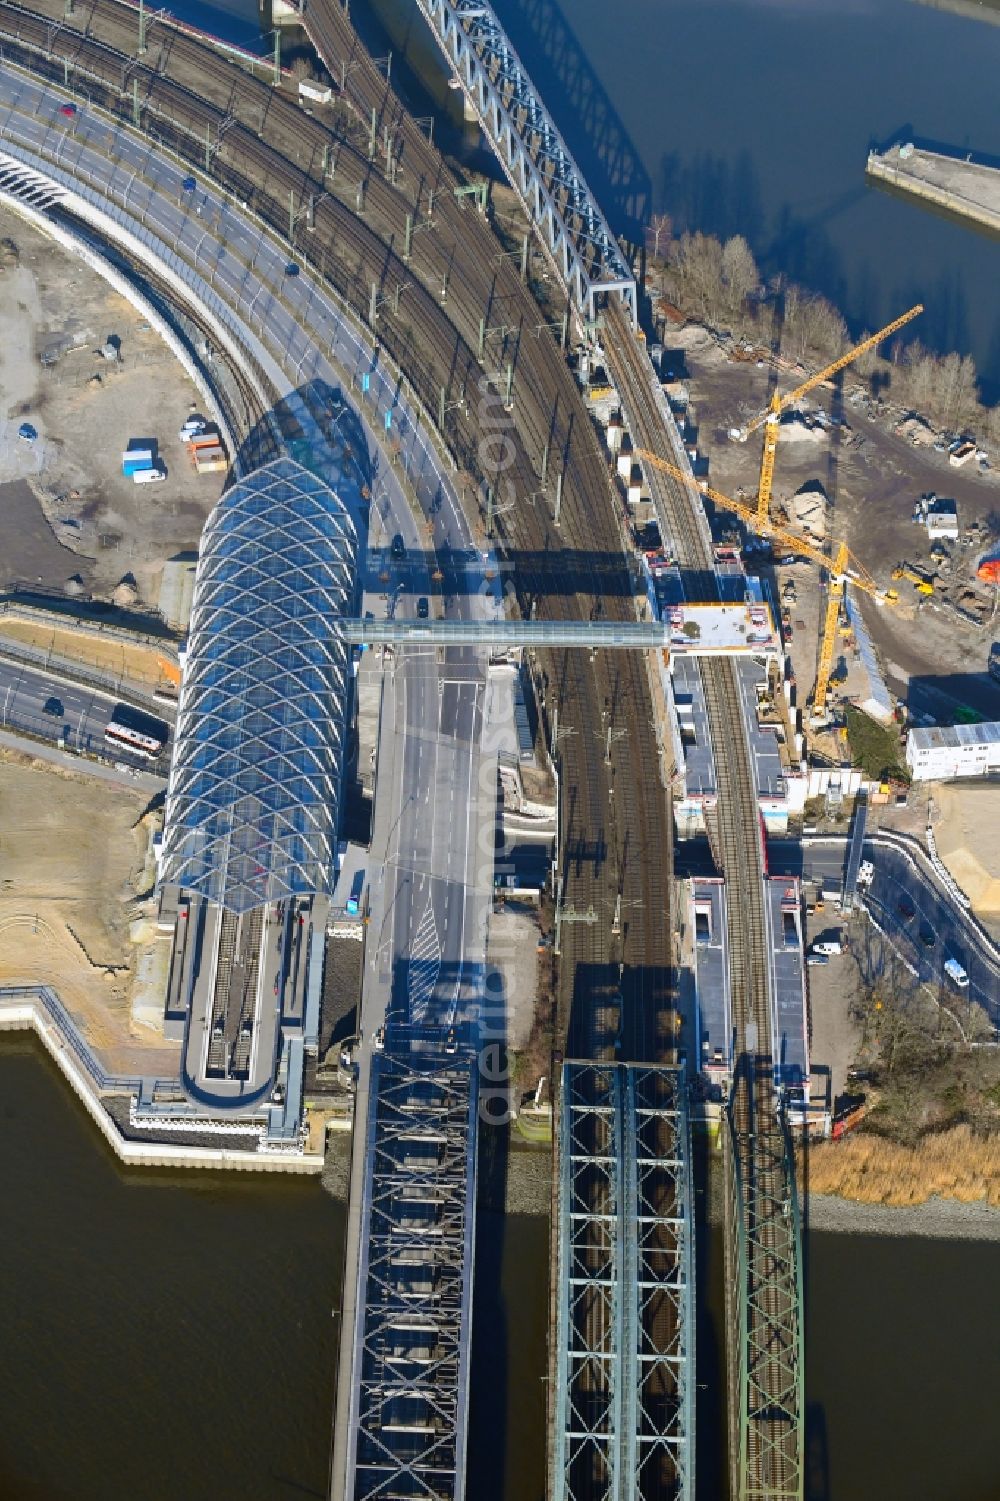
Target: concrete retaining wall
x,y
25,1015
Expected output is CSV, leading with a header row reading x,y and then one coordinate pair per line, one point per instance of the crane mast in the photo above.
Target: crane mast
x,y
842,567
771,416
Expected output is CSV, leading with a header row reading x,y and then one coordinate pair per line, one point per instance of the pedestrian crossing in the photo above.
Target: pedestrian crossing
x,y
424,965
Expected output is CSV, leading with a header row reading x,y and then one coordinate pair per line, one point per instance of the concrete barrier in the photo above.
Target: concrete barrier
x,y
30,1010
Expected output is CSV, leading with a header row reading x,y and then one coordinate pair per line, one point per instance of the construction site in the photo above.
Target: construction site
x,y
712,582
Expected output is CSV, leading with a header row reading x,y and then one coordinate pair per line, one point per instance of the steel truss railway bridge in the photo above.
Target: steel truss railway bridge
x,y
412,1332
624,1385
635,1120
763,1249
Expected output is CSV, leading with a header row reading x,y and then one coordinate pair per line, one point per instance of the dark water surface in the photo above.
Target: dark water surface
x,y
755,117
165,1336
169,1336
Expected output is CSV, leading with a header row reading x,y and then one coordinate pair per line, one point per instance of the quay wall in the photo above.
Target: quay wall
x,y
28,1013
919,176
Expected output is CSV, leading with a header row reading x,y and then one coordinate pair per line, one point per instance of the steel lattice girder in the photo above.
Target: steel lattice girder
x,y
625,1379
769,1405
410,1368
251,812
532,152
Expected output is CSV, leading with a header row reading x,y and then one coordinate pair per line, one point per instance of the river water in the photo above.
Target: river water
x,y
755,117
172,1336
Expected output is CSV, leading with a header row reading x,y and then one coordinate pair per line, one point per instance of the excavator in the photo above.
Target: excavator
x,y
920,582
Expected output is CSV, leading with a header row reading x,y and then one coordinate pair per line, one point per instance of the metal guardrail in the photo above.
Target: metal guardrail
x,y
54,665
64,1024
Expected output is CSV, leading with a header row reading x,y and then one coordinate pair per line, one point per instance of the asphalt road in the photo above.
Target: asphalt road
x,y
81,718
935,913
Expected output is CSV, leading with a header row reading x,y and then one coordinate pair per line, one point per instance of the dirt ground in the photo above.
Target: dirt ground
x,y
67,508
966,822
872,479
513,950
72,866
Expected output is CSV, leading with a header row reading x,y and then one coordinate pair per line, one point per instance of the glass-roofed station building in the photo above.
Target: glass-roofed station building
x,y
249,841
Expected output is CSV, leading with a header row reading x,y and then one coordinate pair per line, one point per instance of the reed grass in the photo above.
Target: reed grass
x,y
953,1164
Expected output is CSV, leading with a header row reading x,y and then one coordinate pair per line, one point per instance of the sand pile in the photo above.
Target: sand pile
x,y
967,831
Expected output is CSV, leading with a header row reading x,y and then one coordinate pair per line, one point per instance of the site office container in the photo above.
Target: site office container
x,y
211,461
137,458
320,93
207,439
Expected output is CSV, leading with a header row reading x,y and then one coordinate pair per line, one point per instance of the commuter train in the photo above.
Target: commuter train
x,y
142,734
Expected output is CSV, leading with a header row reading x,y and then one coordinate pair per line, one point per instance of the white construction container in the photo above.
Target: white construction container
x,y
316,93
957,750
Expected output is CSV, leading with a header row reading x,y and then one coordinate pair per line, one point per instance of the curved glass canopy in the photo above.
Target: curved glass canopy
x,y
251,813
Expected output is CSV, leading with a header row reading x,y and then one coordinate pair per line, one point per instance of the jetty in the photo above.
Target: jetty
x,y
959,186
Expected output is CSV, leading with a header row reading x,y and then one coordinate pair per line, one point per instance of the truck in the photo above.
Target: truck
x,y
956,974
353,904
828,946
134,459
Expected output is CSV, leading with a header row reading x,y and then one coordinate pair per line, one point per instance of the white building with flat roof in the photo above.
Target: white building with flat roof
x,y
956,750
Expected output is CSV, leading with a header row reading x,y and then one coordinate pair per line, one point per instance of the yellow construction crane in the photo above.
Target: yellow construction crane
x,y
842,567
771,416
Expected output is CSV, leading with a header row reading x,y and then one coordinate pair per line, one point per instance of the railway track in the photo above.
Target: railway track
x,y
570,571
616,831
762,1256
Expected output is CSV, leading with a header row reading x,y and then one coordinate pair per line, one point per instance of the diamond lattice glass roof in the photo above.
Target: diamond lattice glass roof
x,y
252,802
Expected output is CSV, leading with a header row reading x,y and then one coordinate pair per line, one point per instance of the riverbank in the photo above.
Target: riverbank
x,y
935,1216
937,1219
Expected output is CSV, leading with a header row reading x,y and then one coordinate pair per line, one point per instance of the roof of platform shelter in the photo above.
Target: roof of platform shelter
x,y
251,809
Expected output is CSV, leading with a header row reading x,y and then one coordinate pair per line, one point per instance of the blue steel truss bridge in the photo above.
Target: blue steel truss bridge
x,y
411,1336
623,1409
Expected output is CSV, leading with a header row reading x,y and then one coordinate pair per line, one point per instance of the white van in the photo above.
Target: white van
x,y
956,974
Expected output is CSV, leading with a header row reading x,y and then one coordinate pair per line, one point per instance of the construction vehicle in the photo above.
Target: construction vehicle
x,y
842,568
920,582
770,418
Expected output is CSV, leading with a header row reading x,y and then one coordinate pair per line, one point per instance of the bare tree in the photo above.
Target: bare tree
x,y
739,272
659,233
